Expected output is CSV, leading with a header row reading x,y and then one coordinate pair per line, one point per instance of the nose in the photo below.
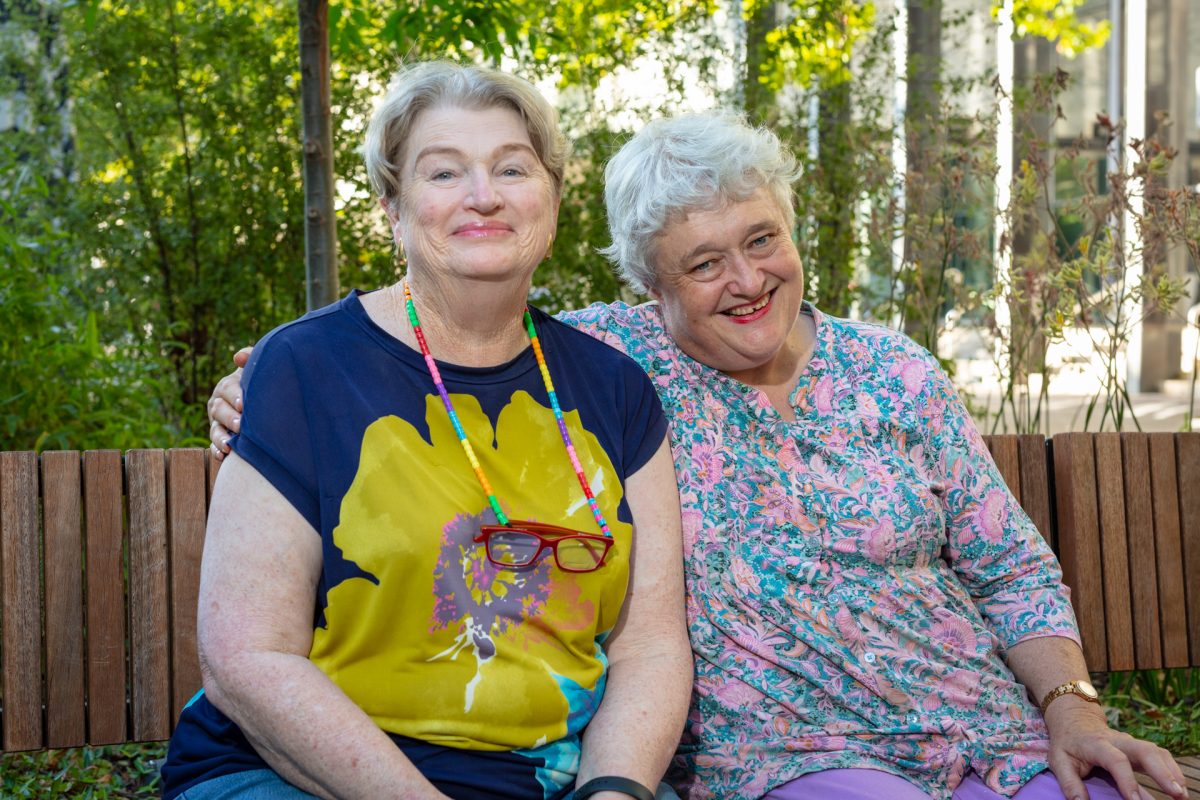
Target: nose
x,y
482,195
745,279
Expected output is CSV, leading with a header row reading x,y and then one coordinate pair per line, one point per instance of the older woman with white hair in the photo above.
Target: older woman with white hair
x,y
871,612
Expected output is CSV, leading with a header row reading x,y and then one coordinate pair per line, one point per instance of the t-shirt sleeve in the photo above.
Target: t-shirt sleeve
x,y
274,437
995,549
645,423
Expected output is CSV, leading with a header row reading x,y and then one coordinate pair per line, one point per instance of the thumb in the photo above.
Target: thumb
x,y
242,356
1069,779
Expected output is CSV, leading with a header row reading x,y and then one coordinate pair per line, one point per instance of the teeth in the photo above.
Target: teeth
x,y
744,310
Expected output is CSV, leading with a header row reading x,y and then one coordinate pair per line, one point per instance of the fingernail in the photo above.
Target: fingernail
x,y
237,420
239,404
1178,789
225,441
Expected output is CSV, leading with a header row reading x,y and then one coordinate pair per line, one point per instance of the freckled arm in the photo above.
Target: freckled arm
x,y
636,729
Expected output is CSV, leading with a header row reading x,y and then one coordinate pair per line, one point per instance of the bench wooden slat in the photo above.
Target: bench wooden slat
x,y
187,498
213,466
1004,453
1187,452
1168,550
105,596
1139,519
20,571
62,504
1114,551
1035,485
1078,540
150,684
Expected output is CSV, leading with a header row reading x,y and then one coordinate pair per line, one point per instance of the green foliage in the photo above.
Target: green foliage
x,y
173,232
1058,21
64,382
576,42
1161,706
190,190
814,43
1069,276
84,773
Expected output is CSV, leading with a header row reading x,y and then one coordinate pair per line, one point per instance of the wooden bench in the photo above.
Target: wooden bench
x,y
1122,511
100,555
99,570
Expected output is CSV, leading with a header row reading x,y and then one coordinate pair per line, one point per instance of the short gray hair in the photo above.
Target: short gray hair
x,y
436,84
685,163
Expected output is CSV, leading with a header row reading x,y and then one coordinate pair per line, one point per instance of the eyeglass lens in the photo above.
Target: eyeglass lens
x,y
518,549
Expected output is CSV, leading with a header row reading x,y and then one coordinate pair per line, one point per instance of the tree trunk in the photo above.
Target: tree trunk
x,y
759,99
320,224
922,120
834,265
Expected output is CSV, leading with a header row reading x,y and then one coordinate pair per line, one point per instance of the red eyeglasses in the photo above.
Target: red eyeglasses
x,y
521,543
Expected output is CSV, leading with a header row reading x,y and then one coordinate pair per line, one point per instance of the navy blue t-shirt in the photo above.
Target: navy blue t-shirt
x,y
484,676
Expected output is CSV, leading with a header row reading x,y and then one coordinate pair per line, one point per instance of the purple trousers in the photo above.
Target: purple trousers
x,y
871,784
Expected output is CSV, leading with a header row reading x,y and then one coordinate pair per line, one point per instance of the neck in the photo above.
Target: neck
x,y
777,378
480,328
475,325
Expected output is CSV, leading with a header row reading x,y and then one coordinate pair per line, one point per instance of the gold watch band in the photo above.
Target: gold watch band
x,y
1078,688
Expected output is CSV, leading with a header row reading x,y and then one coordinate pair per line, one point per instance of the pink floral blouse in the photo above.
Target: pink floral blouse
x,y
854,577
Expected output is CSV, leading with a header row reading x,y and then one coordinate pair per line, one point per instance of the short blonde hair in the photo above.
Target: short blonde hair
x,y
431,84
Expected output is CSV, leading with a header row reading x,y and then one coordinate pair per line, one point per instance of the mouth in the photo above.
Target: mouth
x,y
751,311
482,229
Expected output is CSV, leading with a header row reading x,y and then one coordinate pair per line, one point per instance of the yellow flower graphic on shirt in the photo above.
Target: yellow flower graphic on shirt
x,y
429,637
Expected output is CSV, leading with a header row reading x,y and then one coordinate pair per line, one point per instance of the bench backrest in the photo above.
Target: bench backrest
x,y
100,557
1122,511
99,570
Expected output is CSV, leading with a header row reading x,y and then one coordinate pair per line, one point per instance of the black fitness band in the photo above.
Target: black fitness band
x,y
612,783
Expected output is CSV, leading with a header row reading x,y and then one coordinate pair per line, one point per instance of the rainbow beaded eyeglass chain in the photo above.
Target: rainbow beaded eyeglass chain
x,y
501,517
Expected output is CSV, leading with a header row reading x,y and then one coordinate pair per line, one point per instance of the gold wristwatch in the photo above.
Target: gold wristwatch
x,y
1080,688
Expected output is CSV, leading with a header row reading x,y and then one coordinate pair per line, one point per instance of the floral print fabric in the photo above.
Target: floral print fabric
x,y
854,576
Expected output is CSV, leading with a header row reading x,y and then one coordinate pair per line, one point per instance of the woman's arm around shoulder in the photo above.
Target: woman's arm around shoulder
x,y
637,727
258,580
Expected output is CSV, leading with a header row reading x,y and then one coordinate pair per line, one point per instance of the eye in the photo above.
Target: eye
x,y
441,175
512,172
762,241
703,266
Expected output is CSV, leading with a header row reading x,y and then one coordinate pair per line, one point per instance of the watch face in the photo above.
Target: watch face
x,y
1086,689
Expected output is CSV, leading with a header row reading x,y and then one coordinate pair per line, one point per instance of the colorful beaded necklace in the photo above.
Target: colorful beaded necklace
x,y
501,517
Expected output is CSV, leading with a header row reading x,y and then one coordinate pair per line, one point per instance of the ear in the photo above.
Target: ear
x,y
654,293
387,209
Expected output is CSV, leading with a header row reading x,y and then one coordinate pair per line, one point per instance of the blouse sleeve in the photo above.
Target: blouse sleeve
x,y
992,545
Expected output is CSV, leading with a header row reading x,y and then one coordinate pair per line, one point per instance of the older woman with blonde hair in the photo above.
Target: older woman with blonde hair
x,y
870,611
444,559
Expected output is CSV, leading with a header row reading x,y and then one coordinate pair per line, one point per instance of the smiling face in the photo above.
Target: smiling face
x,y
476,201
730,284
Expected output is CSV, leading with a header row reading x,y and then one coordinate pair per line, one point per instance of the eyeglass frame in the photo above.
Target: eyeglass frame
x,y
536,530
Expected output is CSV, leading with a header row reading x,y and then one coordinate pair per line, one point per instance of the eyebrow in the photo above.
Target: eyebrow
x,y
499,152
704,247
